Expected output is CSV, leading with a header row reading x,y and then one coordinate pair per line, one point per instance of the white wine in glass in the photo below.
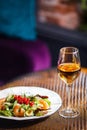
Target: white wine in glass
x,y
68,68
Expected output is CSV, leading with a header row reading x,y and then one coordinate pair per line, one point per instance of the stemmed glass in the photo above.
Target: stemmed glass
x,y
68,68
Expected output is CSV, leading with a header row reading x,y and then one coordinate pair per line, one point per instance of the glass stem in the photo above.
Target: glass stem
x,y
69,95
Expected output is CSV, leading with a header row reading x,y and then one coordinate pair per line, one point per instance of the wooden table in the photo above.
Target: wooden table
x,y
49,79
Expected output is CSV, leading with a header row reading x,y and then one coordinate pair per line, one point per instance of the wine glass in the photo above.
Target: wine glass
x,y
68,68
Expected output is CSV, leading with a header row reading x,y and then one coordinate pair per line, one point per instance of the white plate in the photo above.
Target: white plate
x,y
55,99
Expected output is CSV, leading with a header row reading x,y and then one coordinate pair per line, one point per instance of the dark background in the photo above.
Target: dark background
x,y
57,37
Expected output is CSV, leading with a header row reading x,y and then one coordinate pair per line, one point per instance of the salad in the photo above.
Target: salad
x,y
24,106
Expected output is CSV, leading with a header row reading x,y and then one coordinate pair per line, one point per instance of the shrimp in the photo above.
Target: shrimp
x,y
43,104
18,111
2,100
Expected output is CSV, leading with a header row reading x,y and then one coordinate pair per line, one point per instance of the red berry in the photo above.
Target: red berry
x,y
19,97
15,97
31,103
20,101
27,102
24,100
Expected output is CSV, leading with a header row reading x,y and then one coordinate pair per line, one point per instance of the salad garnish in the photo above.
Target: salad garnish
x,y
24,106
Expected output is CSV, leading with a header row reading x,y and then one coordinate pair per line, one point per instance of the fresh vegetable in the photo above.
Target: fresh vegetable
x,y
24,106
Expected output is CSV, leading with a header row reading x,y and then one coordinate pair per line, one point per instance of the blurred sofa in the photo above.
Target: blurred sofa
x,y
18,57
20,50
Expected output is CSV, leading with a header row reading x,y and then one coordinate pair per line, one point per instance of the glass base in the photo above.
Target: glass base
x,y
69,113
